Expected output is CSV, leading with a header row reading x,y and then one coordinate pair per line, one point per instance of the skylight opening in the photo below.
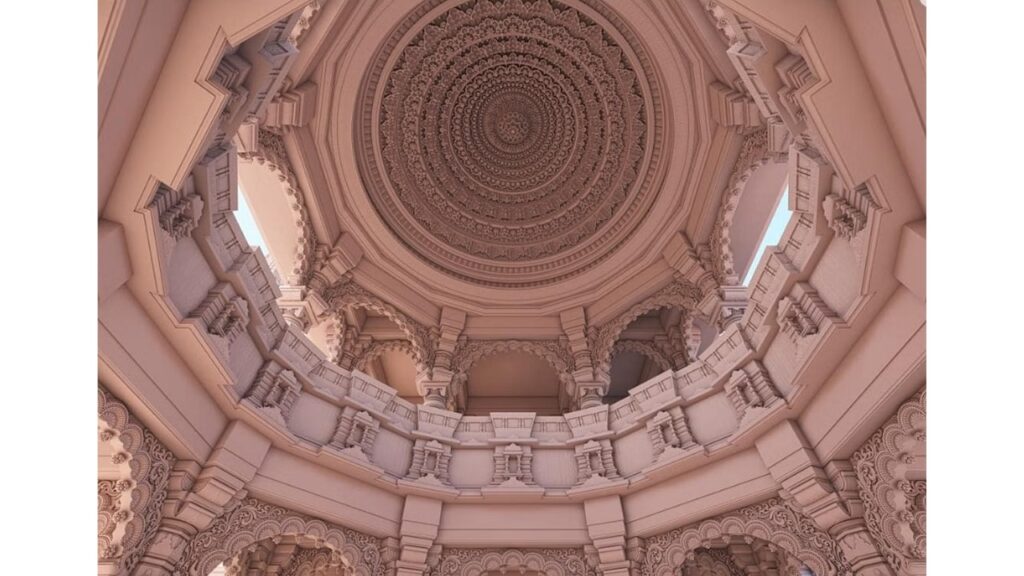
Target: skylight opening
x,y
247,223
772,235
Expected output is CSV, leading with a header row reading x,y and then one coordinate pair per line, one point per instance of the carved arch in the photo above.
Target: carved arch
x,y
679,293
474,562
379,347
269,151
552,351
894,503
646,349
251,521
755,153
772,521
346,293
130,509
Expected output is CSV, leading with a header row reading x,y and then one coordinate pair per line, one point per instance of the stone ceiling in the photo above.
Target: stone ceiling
x,y
509,138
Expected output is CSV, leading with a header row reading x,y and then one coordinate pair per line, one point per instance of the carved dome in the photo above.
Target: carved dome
x,y
510,142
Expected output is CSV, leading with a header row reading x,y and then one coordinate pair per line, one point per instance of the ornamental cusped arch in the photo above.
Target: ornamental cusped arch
x,y
252,520
554,352
679,293
130,507
483,561
773,521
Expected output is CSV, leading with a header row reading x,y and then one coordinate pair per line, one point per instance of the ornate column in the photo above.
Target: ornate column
x,y
591,382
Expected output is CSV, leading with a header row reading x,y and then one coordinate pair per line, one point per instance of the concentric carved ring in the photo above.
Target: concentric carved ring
x,y
510,142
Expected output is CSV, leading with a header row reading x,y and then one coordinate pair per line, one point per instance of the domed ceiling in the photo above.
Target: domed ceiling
x,y
510,143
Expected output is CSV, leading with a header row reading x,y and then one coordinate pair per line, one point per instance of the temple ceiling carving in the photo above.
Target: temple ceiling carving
x,y
503,139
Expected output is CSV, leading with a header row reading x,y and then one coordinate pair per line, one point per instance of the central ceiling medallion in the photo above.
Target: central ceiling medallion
x,y
510,143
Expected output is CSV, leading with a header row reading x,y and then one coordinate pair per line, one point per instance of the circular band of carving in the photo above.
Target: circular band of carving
x,y
509,142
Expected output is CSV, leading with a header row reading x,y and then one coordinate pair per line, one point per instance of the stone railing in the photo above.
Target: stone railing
x,y
283,379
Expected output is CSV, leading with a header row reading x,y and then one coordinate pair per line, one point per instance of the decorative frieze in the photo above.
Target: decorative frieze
x,y
594,459
356,432
750,388
223,314
274,391
430,460
513,464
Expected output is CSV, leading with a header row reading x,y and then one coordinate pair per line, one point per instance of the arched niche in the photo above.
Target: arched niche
x,y
662,338
513,381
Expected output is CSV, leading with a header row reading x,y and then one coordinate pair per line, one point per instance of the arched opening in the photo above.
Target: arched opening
x,y
268,210
513,381
293,555
664,338
762,195
734,556
396,368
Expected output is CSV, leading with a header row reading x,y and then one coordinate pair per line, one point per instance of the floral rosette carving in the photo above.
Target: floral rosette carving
x,y
509,132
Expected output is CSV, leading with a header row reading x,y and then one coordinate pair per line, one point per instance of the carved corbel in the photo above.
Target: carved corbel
x,y
274,391
733,108
594,459
848,213
356,432
804,314
669,430
177,213
430,460
750,389
223,314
